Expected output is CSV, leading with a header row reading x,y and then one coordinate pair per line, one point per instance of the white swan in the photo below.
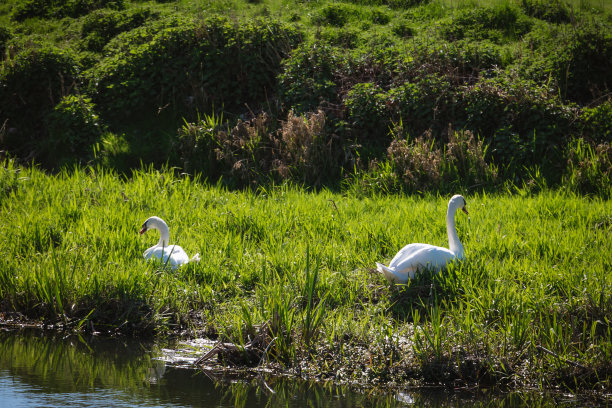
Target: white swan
x,y
413,257
172,255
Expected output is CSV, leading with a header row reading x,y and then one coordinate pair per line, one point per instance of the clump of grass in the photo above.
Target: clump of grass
x,y
589,168
416,165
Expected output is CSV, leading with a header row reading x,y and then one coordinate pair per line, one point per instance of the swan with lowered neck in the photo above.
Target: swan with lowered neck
x,y
172,255
413,257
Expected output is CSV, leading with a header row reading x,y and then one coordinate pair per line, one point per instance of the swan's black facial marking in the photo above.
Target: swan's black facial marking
x,y
144,228
464,209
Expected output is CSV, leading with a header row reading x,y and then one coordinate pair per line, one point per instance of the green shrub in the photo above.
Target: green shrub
x,y
403,29
379,17
576,58
31,84
491,23
308,77
422,105
102,25
596,123
197,144
194,66
61,8
554,11
335,14
73,127
582,64
367,112
339,37
394,4
525,122
5,36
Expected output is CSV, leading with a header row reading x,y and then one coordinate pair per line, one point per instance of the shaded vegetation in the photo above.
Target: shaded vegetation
x,y
527,78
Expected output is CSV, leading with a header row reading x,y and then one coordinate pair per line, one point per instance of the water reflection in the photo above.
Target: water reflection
x,y
38,369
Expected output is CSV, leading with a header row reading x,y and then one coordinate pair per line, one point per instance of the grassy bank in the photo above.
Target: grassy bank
x,y
287,276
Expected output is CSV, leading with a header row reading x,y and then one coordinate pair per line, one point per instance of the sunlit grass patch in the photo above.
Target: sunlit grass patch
x,y
288,276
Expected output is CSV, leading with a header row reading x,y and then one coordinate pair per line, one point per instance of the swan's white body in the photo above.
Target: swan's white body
x,y
172,255
413,257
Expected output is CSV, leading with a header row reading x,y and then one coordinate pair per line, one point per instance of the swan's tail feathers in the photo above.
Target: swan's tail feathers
x,y
195,258
387,272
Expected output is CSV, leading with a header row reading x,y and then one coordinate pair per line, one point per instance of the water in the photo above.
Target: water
x,y
50,370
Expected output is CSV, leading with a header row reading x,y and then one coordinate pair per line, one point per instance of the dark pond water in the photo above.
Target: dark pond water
x,y
42,370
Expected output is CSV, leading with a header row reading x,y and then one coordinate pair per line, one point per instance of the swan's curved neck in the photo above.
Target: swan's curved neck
x,y
453,239
164,232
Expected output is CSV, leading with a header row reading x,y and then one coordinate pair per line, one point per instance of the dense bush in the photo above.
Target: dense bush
x,y
345,38
197,142
491,23
596,123
525,123
193,66
554,11
309,77
582,63
336,14
61,8
5,36
422,105
367,112
102,25
394,4
523,78
31,84
577,58
73,127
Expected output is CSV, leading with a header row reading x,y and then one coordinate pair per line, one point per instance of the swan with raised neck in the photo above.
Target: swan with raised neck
x,y
414,257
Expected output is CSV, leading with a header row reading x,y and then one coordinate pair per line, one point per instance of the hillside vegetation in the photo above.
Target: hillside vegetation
x,y
373,96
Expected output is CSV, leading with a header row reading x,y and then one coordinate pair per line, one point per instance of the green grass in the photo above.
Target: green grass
x,y
531,306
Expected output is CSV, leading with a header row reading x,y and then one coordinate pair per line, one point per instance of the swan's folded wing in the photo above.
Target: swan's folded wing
x,y
429,257
174,255
407,252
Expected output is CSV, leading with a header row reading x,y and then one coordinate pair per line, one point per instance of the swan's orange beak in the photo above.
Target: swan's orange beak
x,y
464,209
143,230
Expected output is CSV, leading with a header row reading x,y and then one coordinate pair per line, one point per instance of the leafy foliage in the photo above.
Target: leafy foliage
x,y
102,25
554,11
31,84
226,65
73,127
61,8
491,23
